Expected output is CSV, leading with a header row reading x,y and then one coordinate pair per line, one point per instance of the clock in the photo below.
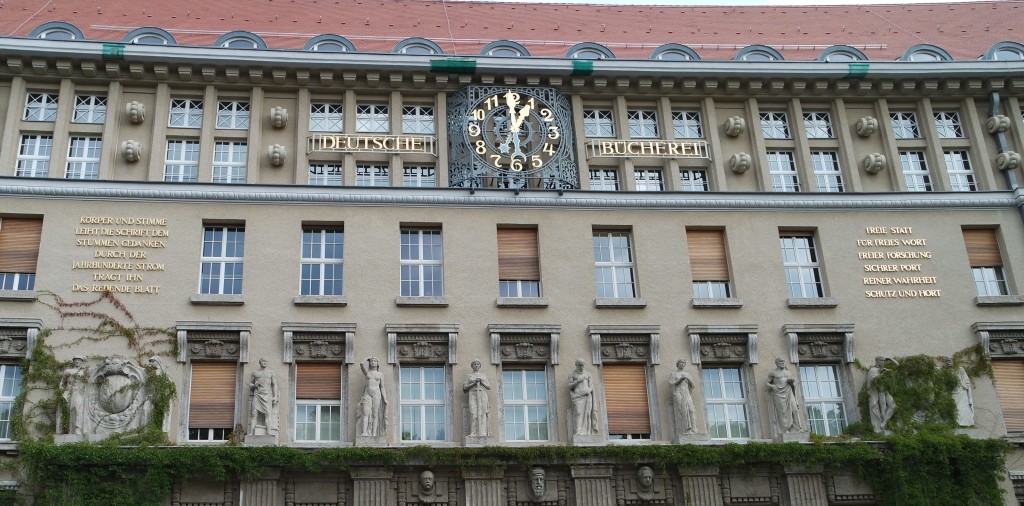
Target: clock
x,y
515,130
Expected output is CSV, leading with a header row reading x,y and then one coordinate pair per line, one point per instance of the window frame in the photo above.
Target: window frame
x,y
603,180
805,266
904,125
34,164
958,167
775,125
185,112
642,124
326,117
648,180
916,175
420,266
233,115
373,118
90,109
315,240
418,120
422,404
8,400
230,162
525,404
331,174
41,107
688,183
782,169
220,258
838,400
818,125
373,175
726,402
828,174
598,123
86,166
186,165
630,288
419,176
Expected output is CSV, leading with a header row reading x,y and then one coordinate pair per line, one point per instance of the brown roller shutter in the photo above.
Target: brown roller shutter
x,y
318,380
1009,379
707,255
212,398
625,392
517,254
982,247
19,244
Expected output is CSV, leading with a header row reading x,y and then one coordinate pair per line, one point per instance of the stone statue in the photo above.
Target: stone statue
x,y
263,402
373,419
538,484
584,408
476,387
645,483
683,412
782,401
428,492
963,395
156,370
73,384
880,403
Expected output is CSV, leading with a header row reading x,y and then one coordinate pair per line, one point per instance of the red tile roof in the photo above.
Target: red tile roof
x,y
883,32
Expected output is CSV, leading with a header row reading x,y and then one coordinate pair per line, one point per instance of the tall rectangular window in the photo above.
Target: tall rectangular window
x,y
422,263
518,265
782,168
10,387
709,265
229,161
598,123
726,403
317,401
419,176
40,107
948,125
223,253
915,171
323,254
181,164
418,119
34,156
904,125
823,399
90,109
642,124
774,125
604,180
185,113
625,392
800,259
19,252
83,158
693,180
613,264
827,174
326,174
372,175
422,397
818,125
233,115
986,261
1008,376
525,404
325,117
686,125
648,180
372,118
961,175
211,407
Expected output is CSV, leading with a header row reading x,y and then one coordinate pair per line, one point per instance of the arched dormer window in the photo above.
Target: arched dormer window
x,y
674,52
150,35
329,43
417,45
589,51
926,53
504,48
841,54
240,40
1005,51
758,52
57,30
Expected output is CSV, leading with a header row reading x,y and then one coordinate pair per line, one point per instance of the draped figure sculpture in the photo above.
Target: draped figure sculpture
x,y
963,395
584,409
476,387
785,412
73,383
880,403
683,411
263,402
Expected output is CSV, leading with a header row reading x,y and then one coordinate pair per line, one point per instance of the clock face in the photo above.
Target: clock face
x,y
513,131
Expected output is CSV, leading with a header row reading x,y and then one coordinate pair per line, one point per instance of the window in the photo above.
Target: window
x,y
422,176
948,125
961,175
693,180
818,125
422,397
823,399
904,125
598,123
325,174
186,113
826,171
325,117
604,180
613,265
372,118
317,401
422,264
525,404
725,402
323,253
642,124
223,251
774,125
518,265
34,156
372,175
10,387
90,109
686,125
709,265
41,107
211,410
986,261
182,162
417,119
800,259
782,168
625,392
229,159
233,115
83,158
648,180
915,171
19,252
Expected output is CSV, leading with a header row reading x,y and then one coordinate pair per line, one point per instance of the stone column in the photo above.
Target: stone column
x,y
593,485
262,491
371,486
805,486
701,485
483,487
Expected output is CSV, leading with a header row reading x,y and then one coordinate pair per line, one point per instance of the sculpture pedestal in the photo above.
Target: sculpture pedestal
x,y
371,441
478,441
261,440
587,440
792,437
689,438
71,438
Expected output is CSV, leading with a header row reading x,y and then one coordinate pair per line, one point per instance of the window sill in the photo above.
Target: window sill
x,y
812,302
18,295
727,303
522,302
421,301
999,300
209,299
319,444
320,300
620,303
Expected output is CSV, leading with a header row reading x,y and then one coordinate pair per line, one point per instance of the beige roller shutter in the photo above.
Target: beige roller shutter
x,y
625,391
212,398
517,254
19,244
318,380
982,247
1009,378
707,255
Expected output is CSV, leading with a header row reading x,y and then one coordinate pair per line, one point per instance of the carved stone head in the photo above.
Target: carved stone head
x,y
538,483
645,476
427,482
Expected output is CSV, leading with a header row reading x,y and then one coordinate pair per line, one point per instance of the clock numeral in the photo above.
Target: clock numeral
x,y
479,114
535,161
474,130
549,149
532,103
491,102
497,160
516,165
546,113
480,147
553,132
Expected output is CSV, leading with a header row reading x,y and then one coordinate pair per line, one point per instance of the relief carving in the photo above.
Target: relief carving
x,y
114,397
